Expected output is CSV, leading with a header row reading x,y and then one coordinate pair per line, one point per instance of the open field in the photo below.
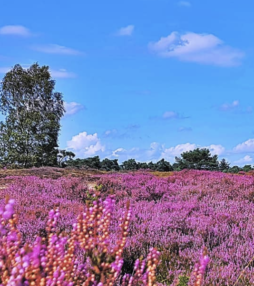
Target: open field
x,y
178,213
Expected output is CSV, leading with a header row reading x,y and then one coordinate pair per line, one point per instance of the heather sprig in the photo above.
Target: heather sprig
x,y
200,268
51,260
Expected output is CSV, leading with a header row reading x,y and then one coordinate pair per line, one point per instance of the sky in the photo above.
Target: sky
x,y
142,79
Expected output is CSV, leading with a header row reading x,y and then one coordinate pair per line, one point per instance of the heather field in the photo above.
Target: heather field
x,y
178,213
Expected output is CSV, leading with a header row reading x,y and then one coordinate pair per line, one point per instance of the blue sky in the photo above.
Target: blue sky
x,y
143,79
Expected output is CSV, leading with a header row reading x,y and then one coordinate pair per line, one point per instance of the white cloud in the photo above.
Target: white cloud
x,y
136,153
215,149
247,146
171,152
15,30
154,151
158,151
199,48
126,31
244,161
85,145
56,49
117,151
170,115
230,106
184,3
167,115
235,103
111,132
126,154
72,107
62,73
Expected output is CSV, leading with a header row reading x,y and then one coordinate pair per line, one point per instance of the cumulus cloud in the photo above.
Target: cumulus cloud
x,y
157,151
177,150
126,31
216,149
247,146
198,48
126,154
62,73
85,144
184,3
154,151
56,49
72,107
15,30
245,160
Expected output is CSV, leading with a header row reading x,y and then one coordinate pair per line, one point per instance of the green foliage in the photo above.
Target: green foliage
x,y
98,188
224,165
110,165
64,156
168,262
163,166
199,159
234,169
151,166
92,196
183,280
163,268
247,168
142,165
29,135
176,167
130,164
91,162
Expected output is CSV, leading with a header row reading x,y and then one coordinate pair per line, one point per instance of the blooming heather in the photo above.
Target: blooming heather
x,y
178,215
184,212
51,260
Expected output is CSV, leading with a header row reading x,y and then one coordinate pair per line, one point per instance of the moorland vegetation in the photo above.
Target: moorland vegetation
x,y
189,223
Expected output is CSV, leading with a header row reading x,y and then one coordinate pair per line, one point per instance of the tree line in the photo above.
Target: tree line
x,y
29,134
198,159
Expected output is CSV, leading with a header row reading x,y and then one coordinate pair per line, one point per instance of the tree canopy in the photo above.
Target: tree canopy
x,y
199,159
224,165
64,156
110,165
29,134
202,162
